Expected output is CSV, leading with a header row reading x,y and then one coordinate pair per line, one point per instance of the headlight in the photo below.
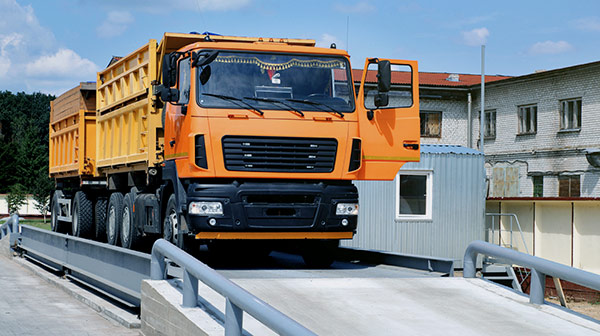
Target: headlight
x,y
206,208
345,209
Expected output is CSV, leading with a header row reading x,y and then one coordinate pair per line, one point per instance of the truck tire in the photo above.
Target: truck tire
x,y
100,209
130,236
320,253
114,216
83,220
56,224
170,225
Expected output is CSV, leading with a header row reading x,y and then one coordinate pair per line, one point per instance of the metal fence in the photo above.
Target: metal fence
x,y
10,228
113,270
539,268
238,299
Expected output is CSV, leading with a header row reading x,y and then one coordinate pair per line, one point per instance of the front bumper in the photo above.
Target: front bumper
x,y
273,207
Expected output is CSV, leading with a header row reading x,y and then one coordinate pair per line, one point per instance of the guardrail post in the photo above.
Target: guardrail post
x,y
538,287
233,319
158,266
190,290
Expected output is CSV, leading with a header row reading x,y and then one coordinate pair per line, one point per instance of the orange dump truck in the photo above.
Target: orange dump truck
x,y
215,139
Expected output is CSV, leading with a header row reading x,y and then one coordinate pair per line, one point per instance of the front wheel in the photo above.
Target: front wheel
x,y
320,253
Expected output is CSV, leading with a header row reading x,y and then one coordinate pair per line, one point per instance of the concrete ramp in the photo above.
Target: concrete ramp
x,y
386,306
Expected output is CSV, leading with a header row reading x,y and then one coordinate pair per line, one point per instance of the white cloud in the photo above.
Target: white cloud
x,y
358,8
6,41
327,39
31,58
550,47
161,6
475,37
588,24
64,64
116,23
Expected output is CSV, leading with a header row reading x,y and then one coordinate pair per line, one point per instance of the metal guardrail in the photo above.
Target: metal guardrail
x,y
539,268
238,299
113,270
10,228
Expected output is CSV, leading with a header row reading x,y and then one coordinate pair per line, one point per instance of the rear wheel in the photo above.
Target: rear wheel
x,y
55,223
82,219
114,217
130,237
100,209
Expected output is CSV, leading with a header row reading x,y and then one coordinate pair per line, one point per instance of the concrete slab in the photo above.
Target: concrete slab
x,y
31,306
413,306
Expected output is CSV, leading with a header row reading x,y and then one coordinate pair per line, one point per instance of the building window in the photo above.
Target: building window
x,y
570,114
431,124
414,193
527,119
568,186
538,186
489,124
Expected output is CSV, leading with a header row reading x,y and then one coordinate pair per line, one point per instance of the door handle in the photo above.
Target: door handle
x,y
413,146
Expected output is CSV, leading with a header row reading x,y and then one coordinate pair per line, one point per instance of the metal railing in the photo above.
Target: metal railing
x,y
523,274
511,216
238,299
113,270
9,227
539,268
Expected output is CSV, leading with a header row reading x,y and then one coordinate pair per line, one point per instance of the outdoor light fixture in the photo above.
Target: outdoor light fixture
x,y
345,209
206,208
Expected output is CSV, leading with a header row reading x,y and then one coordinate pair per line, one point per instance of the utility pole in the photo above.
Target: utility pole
x,y
482,105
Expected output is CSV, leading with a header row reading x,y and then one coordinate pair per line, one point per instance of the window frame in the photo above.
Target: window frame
x,y
486,133
521,121
570,178
440,125
428,196
561,114
539,186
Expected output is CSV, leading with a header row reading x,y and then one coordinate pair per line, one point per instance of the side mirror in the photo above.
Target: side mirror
x,y
384,76
205,74
169,70
169,95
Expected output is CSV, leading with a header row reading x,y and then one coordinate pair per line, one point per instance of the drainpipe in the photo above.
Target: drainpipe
x,y
469,122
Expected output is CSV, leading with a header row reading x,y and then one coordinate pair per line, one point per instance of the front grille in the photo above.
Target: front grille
x,y
279,154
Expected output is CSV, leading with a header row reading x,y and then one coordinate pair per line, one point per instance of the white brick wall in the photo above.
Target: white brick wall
x,y
544,151
454,121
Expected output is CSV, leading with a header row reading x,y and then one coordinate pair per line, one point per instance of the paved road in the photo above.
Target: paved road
x,y
31,306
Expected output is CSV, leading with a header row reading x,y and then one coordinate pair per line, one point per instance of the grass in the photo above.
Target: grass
x,y
38,223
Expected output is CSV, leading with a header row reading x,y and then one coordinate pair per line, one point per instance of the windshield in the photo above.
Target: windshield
x,y
307,83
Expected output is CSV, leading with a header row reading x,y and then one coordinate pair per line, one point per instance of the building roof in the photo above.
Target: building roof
x,y
430,78
448,149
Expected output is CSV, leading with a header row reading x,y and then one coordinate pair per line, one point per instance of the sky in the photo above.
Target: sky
x,y
50,46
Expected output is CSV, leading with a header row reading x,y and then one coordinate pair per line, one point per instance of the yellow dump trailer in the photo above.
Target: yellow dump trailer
x,y
73,132
128,120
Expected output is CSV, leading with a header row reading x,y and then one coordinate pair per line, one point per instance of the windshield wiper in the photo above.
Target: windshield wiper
x,y
276,101
236,101
310,102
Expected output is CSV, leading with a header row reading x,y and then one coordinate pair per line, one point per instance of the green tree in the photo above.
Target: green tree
x,y
16,198
41,194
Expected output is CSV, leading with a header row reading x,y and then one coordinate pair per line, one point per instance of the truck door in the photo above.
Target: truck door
x,y
388,121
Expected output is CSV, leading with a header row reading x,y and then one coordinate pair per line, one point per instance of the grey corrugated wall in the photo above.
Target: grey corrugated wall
x,y
458,210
